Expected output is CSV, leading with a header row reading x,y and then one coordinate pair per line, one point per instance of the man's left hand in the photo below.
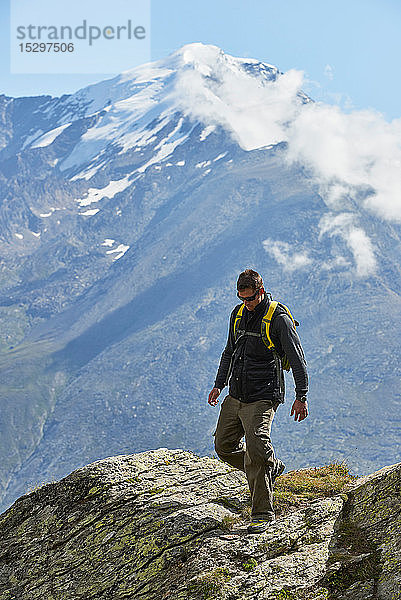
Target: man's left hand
x,y
300,410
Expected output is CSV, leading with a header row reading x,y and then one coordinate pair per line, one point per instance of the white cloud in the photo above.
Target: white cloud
x,y
285,255
335,224
255,110
349,153
335,263
356,239
354,156
362,250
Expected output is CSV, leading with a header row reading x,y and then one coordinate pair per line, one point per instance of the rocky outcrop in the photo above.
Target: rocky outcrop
x,y
365,550
168,525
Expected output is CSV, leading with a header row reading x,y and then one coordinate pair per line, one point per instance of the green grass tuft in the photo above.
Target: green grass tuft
x,y
295,488
250,565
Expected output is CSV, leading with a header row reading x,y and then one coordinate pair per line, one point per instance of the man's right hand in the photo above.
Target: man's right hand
x,y
213,396
300,410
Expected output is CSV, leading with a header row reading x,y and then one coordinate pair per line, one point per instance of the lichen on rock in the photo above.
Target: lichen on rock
x,y
168,525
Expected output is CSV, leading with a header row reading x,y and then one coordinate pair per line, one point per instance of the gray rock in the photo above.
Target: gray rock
x,y
156,525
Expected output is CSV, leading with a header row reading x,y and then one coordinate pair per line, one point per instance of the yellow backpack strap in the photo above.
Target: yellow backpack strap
x,y
284,359
238,318
266,321
290,315
266,324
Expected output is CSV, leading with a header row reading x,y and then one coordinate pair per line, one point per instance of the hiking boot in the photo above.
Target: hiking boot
x,y
277,471
260,525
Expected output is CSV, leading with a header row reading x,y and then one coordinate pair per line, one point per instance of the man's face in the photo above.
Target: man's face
x,y
249,292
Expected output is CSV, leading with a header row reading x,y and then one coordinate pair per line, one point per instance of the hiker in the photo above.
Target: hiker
x,y
262,340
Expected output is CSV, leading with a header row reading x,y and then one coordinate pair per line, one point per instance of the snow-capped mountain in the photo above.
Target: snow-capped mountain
x,y
136,110
128,209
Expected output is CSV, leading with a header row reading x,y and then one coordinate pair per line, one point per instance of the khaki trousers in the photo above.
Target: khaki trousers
x,y
256,459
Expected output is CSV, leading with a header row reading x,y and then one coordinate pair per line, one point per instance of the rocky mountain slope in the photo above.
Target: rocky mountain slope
x,y
166,524
127,211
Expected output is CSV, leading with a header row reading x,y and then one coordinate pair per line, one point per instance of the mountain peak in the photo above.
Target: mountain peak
x,y
198,53
198,84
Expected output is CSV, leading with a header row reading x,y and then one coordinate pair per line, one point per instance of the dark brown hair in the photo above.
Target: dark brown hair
x,y
249,279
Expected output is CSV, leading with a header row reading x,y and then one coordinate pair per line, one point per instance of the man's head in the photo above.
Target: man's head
x,y
250,288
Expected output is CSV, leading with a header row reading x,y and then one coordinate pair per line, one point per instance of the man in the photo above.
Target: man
x,y
251,364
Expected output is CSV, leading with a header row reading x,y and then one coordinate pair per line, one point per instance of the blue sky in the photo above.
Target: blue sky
x,y
348,49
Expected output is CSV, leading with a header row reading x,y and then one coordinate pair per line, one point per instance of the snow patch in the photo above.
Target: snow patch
x,y
206,132
109,191
120,250
90,213
220,156
108,242
49,137
31,138
167,146
19,236
85,173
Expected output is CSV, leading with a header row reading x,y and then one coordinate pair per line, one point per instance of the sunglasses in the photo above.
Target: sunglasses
x,y
249,298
